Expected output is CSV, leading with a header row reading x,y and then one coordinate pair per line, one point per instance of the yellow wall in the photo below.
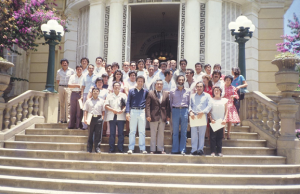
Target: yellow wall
x,y
270,28
39,60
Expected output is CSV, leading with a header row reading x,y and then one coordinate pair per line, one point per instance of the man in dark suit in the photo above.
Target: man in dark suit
x,y
157,113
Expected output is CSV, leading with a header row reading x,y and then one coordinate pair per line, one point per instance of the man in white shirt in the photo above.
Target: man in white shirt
x,y
95,107
75,111
108,70
216,81
168,82
156,65
181,70
148,63
150,78
99,70
190,82
84,63
62,78
125,70
198,75
161,74
87,81
173,66
115,106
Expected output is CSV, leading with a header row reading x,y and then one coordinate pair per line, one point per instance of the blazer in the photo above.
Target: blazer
x,y
157,110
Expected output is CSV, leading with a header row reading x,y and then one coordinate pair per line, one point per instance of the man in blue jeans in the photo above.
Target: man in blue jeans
x,y
135,113
179,102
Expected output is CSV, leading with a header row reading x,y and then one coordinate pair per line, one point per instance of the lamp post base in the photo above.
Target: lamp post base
x,y
52,90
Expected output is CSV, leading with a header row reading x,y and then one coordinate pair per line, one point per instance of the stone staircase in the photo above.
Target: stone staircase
x,y
52,159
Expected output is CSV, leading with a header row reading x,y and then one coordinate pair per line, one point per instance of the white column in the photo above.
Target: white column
x,y
213,32
70,38
192,33
250,10
96,29
115,32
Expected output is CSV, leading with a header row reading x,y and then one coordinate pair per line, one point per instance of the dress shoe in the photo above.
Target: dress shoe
x,y
182,153
175,152
120,151
129,152
111,151
98,151
200,152
143,152
89,151
194,153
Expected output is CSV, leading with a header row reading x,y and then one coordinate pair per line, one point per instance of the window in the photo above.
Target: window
x,y
230,11
83,33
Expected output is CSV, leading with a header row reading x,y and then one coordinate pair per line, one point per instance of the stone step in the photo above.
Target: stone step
x,y
252,146
150,167
84,138
157,177
22,190
156,158
134,187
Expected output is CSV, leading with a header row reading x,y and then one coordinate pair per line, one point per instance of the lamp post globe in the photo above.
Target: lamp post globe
x,y
242,27
52,34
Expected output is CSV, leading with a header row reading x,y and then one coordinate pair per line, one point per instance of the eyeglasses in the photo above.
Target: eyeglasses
x,y
125,65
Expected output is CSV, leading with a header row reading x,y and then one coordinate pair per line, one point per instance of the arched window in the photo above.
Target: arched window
x,y
83,33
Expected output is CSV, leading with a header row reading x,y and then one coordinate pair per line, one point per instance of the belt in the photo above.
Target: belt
x,y
179,107
97,115
137,108
64,85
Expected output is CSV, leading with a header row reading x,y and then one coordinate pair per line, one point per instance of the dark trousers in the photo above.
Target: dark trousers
x,y
75,111
237,105
216,140
112,136
95,134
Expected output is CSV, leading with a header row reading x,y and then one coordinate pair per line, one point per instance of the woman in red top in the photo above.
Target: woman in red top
x,y
230,94
208,89
208,84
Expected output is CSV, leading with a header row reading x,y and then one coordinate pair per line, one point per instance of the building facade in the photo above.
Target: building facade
x,y
126,30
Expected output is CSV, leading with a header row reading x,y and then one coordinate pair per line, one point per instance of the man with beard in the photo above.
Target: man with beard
x,y
216,81
181,71
179,102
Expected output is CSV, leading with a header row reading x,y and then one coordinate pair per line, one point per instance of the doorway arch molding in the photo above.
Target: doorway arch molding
x,y
154,39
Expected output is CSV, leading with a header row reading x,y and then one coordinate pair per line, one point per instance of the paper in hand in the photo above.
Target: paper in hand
x,y
80,104
217,125
198,122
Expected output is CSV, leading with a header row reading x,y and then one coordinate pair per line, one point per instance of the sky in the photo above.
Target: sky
x,y
294,8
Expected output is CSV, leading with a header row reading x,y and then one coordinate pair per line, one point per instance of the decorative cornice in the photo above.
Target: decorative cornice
x,y
117,1
96,2
271,3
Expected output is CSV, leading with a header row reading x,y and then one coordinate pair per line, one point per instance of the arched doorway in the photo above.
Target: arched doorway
x,y
154,51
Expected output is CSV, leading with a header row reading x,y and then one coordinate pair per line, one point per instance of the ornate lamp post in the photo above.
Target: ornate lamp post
x,y
52,33
241,28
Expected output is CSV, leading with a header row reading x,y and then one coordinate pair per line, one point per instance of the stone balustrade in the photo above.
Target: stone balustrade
x,y
262,112
23,107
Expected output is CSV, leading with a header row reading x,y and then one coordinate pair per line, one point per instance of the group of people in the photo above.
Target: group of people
x,y
149,94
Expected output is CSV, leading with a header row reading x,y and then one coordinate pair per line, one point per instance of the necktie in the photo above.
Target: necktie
x,y
158,96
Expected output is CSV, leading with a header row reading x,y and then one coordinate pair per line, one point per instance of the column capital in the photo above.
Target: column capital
x,y
117,1
250,8
96,2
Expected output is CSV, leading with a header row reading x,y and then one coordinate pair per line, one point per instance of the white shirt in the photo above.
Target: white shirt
x,y
102,94
74,79
191,87
95,107
169,86
125,75
142,73
85,72
110,86
129,84
220,84
149,81
198,77
218,108
98,71
157,71
114,101
88,81
110,79
64,76
161,75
